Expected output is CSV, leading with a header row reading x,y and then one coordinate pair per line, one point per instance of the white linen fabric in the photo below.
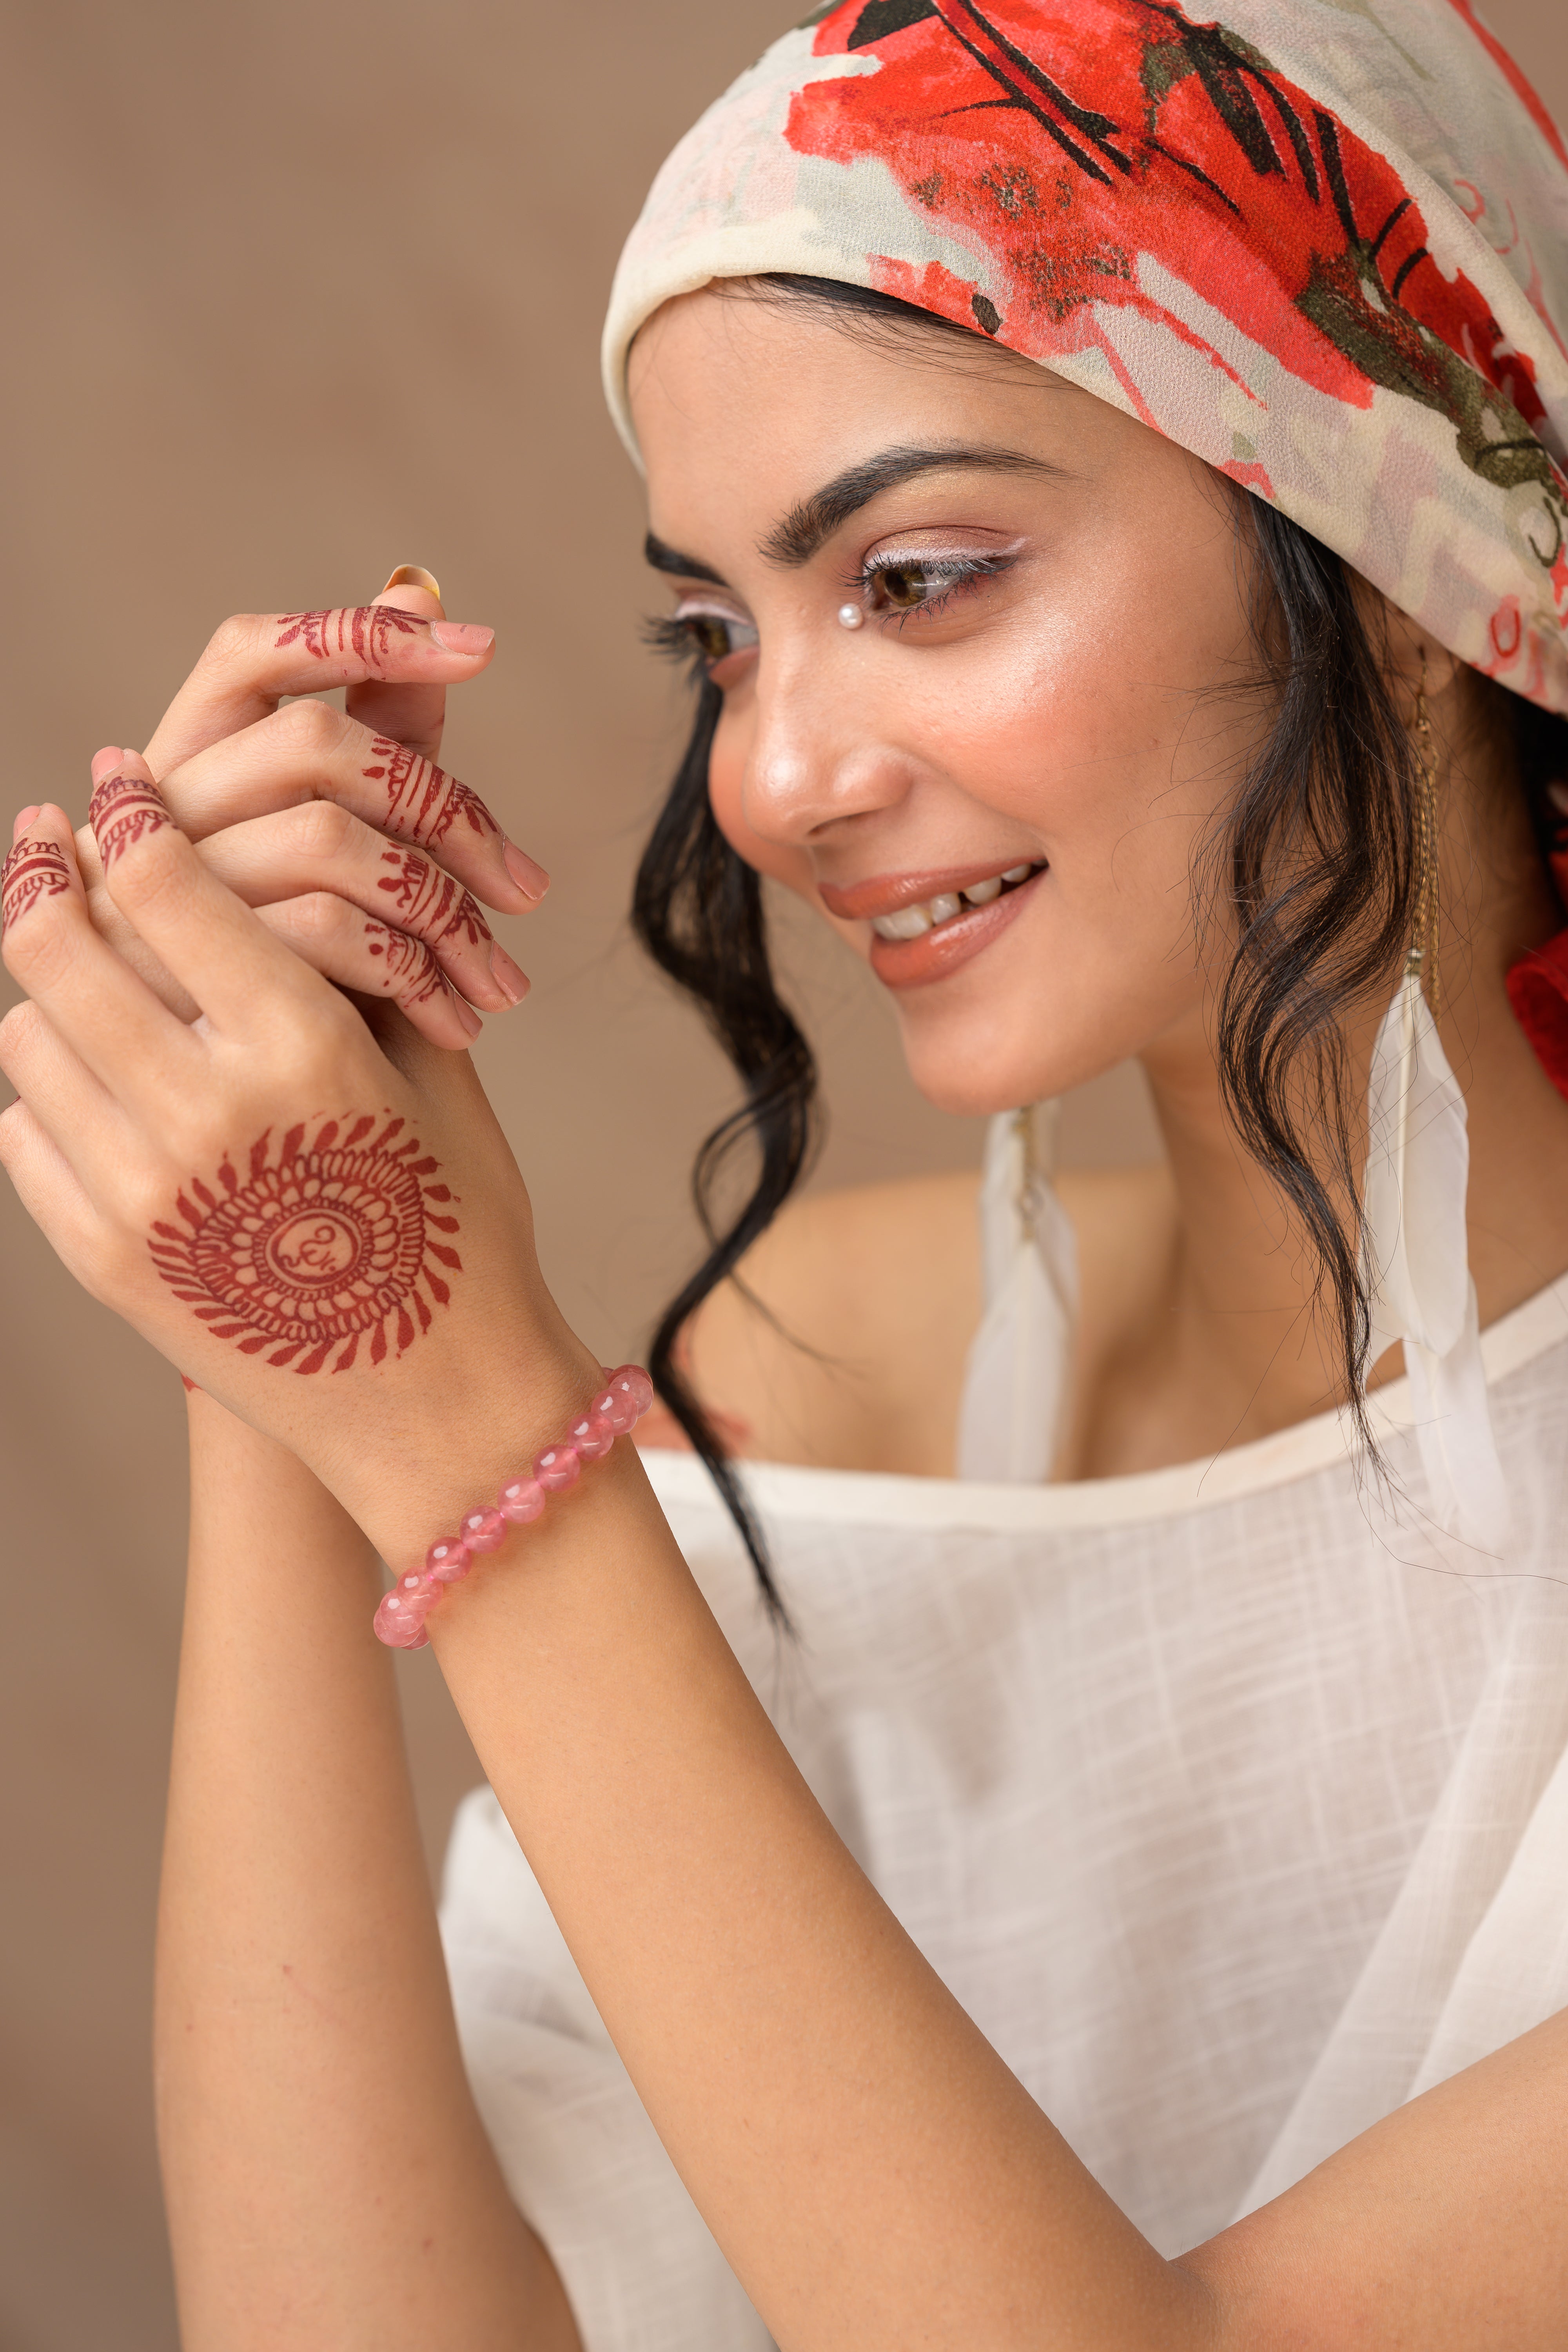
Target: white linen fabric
x,y
1230,1799
1016,1381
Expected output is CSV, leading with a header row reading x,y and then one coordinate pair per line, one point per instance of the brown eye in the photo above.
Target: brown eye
x,y
904,585
709,634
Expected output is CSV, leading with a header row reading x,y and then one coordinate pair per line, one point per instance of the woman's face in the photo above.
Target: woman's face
x,y
1007,760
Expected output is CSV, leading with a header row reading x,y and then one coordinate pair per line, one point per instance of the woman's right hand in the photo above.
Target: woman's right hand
x,y
354,847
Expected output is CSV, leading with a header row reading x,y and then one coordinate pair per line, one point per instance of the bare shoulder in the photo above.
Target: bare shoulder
x,y
844,1342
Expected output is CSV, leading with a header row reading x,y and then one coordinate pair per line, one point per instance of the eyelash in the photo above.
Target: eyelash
x,y
960,571
676,640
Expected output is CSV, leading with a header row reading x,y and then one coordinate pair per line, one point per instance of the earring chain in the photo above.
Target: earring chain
x,y
1424,946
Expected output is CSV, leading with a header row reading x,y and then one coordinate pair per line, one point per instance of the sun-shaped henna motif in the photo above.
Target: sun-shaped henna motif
x,y
423,800
367,630
33,870
323,1243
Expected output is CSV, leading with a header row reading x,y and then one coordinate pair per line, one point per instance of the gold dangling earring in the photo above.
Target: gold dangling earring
x,y
1424,937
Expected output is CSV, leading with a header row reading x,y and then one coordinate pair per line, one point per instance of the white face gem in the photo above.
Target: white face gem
x,y
850,616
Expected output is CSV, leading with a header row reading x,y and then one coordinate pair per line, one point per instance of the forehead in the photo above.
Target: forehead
x,y
745,404
730,338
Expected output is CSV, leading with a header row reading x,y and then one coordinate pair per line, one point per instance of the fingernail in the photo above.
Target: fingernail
x,y
523,871
507,976
104,760
462,637
24,817
413,575
468,1017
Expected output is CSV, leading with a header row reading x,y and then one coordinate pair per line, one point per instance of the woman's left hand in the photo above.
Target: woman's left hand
x,y
331,1238
369,860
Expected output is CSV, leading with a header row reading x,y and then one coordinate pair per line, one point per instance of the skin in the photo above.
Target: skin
x,y
1030,718
873,2172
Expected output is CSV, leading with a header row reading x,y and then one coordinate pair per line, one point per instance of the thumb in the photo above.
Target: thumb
x,y
411,715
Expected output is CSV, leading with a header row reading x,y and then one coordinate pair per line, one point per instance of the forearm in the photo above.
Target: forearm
x,y
874,2173
328,2179
872,2170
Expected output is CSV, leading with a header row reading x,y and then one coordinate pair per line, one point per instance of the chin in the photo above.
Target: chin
x,y
978,1074
1040,1013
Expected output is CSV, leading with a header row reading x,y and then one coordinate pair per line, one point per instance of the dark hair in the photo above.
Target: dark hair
x,y
1315,862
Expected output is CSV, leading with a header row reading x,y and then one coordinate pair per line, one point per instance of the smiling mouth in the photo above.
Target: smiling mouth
x,y
931,914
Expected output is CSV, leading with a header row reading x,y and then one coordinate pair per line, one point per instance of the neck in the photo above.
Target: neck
x,y
1237,1342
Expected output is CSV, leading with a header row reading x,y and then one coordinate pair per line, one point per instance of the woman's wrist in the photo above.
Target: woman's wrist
x,y
411,1478
590,1434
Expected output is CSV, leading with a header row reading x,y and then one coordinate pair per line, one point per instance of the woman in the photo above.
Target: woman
x,y
1130,1914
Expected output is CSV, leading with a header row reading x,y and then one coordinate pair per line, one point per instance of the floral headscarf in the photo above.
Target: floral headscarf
x,y
1323,244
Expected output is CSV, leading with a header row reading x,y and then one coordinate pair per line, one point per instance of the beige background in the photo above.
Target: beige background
x,y
297,293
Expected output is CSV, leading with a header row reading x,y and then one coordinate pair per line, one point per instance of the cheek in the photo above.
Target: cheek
x,y
1092,725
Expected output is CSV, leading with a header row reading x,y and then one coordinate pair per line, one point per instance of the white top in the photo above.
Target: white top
x,y
1230,1803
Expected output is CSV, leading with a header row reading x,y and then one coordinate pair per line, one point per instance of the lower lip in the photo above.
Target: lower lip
x,y
915,963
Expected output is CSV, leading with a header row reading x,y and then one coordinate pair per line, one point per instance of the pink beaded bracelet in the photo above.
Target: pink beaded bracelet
x,y
400,1619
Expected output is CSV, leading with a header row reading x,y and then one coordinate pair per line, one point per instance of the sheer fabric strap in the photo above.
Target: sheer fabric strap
x,y
1015,1388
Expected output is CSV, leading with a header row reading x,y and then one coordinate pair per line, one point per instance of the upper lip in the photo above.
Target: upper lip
x,y
885,893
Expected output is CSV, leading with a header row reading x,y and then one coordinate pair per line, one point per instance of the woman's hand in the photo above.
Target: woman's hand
x,y
355,848
335,1244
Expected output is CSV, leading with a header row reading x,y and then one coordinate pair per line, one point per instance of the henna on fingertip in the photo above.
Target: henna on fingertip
x,y
369,633
413,978
35,869
124,810
427,898
412,973
423,802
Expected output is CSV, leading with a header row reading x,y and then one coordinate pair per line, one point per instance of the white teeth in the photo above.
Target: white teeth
x,y
907,924
910,922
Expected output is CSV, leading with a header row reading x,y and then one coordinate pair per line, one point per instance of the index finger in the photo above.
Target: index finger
x,y
413,716
255,659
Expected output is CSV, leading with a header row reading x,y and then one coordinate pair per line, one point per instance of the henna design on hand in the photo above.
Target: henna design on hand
x,y
122,811
423,800
328,1242
406,960
364,630
430,900
35,869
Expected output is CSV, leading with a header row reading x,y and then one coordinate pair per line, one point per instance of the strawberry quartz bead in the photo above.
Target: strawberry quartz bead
x,y
591,1436
520,1500
557,1467
613,1408
400,1623
445,1562
483,1530
639,1387
419,1587
628,1395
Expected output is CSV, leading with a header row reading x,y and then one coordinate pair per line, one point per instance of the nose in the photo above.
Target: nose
x,y
820,753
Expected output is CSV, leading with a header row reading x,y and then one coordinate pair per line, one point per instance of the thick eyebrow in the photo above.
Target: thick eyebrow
x,y
806,527
685,567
